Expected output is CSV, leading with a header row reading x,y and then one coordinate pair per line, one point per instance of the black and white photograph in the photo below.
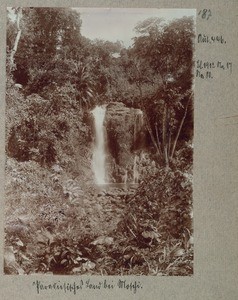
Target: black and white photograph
x,y
99,127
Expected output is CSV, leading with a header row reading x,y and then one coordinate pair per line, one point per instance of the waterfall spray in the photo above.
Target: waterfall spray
x,y
99,155
135,170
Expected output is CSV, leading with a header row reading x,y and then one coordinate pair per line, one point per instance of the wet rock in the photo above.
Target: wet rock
x,y
124,132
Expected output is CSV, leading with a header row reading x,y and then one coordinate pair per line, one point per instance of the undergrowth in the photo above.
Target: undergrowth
x,y
54,226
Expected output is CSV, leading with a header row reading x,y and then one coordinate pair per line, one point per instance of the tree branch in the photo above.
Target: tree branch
x,y
14,49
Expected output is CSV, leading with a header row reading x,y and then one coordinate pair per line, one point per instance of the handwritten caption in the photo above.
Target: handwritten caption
x,y
88,284
205,69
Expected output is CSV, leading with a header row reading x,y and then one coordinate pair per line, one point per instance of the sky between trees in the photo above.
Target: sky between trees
x,y
115,24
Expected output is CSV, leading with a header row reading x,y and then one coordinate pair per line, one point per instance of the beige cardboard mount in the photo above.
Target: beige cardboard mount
x,y
215,169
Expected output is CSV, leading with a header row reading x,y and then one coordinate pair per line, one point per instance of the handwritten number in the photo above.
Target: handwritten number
x,y
205,13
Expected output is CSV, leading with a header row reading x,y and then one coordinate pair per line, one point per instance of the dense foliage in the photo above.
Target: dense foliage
x,y
56,220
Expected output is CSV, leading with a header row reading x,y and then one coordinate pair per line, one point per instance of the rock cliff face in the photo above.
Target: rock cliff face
x,y
124,137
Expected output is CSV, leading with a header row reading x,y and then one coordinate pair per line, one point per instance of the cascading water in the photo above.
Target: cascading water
x,y
99,155
135,170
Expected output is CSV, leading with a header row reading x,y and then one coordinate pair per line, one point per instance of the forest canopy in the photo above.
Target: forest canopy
x,y
155,72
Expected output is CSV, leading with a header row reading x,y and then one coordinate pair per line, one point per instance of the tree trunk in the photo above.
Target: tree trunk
x,y
151,133
180,127
147,124
169,142
165,135
154,138
14,49
157,137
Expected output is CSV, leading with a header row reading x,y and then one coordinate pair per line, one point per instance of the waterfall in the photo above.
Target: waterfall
x,y
99,155
135,170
